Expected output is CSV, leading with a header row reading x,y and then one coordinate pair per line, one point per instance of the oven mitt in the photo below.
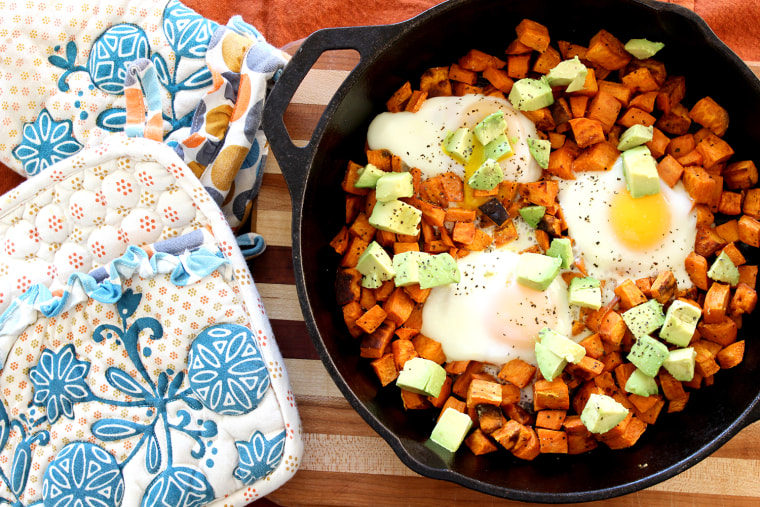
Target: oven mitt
x,y
139,365
62,74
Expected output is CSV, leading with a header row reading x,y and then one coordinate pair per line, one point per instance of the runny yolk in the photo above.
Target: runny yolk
x,y
640,223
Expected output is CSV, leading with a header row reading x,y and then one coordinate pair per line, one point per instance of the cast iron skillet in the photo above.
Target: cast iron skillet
x,y
392,54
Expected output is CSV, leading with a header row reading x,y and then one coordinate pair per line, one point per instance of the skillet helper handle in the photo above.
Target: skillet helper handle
x,y
293,160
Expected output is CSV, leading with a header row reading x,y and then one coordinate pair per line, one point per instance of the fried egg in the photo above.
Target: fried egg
x,y
418,137
619,237
488,316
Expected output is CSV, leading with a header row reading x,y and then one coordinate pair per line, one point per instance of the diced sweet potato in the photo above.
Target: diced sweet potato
x,y
479,443
607,51
517,372
714,150
533,35
709,114
740,175
731,355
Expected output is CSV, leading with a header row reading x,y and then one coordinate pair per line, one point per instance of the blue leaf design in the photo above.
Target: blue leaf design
x,y
128,304
111,430
71,53
153,454
162,70
5,426
22,463
105,331
113,119
198,79
122,381
58,61
187,31
176,383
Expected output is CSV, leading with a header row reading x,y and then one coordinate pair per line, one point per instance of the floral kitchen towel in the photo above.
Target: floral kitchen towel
x,y
62,84
138,363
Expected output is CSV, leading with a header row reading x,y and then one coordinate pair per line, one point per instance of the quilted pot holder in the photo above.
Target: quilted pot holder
x,y
139,365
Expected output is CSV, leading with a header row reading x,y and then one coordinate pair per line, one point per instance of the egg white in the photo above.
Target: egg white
x,y
418,137
585,203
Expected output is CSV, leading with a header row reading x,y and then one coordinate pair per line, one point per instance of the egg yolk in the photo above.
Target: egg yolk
x,y
640,223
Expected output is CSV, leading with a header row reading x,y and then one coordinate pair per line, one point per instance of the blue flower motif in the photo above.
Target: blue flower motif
x,y
226,370
188,32
60,381
112,53
180,486
259,457
83,474
45,142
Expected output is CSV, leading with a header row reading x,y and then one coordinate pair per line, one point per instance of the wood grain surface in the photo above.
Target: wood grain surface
x,y
345,461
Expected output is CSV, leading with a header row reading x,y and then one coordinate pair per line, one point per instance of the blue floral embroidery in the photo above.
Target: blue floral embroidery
x,y
259,456
83,474
45,142
22,458
226,370
59,381
178,487
112,53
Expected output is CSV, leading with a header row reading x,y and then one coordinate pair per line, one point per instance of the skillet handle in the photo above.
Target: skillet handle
x,y
294,161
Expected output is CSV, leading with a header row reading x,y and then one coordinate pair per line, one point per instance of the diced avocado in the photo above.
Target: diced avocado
x,y
491,127
461,144
602,413
422,376
680,363
395,216
368,176
585,292
495,210
645,318
532,214
392,186
439,269
561,345
640,170
537,271
529,94
562,248
724,270
498,148
643,48
570,73
407,267
451,429
487,176
635,135
540,149
375,265
642,384
680,323
648,354
549,363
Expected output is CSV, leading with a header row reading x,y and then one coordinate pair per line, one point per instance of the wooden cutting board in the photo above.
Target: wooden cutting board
x,y
345,461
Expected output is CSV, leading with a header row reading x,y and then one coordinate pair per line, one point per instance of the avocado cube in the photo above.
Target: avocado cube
x,y
570,73
680,323
645,318
375,265
392,186
550,364
642,384
437,270
422,376
461,144
643,48
491,127
395,216
635,135
680,363
407,267
532,214
537,271
640,170
648,354
498,148
451,429
561,345
562,248
540,149
530,94
585,292
602,413
368,176
724,270
487,176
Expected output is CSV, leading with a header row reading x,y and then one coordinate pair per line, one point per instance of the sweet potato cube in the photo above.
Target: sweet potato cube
x,y
508,435
664,286
605,108
659,143
479,61
483,391
376,344
414,401
533,35
630,295
749,231
676,121
455,403
429,348
399,306
710,115
527,446
463,232
435,81
552,441
714,150
546,61
744,299
578,444
402,351
551,395
351,312
349,179
740,175
385,369
415,101
371,319
517,372
699,184
444,395
489,417
670,170
479,443
607,51
518,66
399,99
731,355
644,101
587,131
593,345
634,116
672,92
629,437
716,302
641,80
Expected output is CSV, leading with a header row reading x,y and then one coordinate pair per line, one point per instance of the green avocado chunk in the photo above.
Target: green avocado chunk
x,y
562,248
422,376
645,318
602,413
529,94
375,265
643,48
648,354
395,216
451,429
642,384
490,127
532,214
537,271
